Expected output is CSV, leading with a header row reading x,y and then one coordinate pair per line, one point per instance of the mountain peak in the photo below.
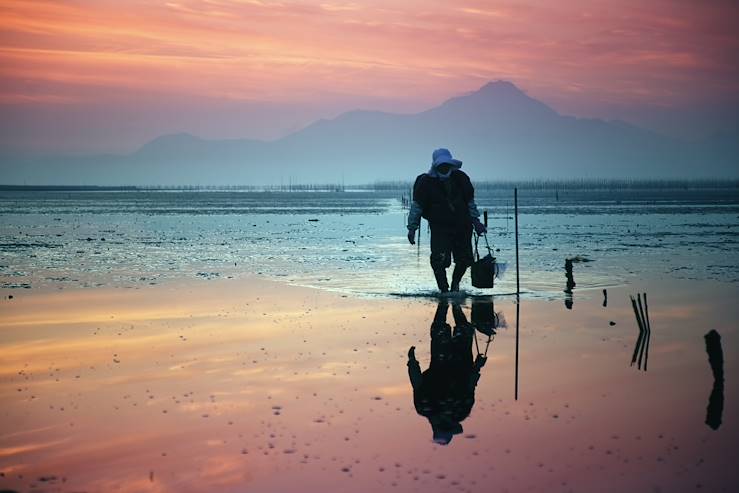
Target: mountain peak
x,y
502,90
498,96
500,87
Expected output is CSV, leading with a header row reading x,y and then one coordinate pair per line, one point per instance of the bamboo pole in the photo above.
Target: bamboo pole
x,y
645,325
649,332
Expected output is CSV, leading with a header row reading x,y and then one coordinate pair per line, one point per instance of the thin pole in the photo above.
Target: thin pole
x,y
518,288
515,207
518,308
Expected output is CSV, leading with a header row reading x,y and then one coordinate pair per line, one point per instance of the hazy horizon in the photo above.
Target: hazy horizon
x,y
281,120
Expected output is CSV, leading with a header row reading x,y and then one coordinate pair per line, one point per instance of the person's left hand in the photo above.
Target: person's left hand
x,y
480,228
480,360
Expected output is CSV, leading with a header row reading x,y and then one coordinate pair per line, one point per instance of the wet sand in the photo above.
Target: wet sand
x,y
251,385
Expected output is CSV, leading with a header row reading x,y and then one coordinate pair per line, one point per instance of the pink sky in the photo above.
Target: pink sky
x,y
251,68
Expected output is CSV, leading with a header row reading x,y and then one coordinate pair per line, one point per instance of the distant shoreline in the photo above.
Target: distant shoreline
x,y
548,184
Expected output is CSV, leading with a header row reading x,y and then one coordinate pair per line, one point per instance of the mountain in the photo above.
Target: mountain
x,y
498,131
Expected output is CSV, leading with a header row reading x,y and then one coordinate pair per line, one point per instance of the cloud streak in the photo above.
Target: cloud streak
x,y
401,56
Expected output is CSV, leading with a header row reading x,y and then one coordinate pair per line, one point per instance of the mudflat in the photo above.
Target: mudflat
x,y
253,385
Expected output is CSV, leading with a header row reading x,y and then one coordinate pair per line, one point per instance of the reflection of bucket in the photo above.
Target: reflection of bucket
x,y
483,317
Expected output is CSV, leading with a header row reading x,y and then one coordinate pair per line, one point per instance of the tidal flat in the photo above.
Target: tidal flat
x,y
261,342
251,385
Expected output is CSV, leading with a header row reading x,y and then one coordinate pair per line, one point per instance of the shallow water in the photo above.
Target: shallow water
x,y
221,386
355,242
225,370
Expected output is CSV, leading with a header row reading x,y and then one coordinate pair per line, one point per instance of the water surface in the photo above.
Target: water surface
x,y
214,341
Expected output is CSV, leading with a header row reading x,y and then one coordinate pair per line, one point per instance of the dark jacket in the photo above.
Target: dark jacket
x,y
447,387
445,202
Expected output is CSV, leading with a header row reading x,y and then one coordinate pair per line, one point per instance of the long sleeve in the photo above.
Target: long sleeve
x,y
414,216
414,373
417,202
474,378
469,195
472,208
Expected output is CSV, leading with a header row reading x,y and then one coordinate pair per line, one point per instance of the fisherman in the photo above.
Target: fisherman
x,y
445,197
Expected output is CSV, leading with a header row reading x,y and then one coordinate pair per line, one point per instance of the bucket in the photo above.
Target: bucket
x,y
483,269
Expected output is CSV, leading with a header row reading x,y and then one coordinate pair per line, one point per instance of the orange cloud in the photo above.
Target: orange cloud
x,y
415,53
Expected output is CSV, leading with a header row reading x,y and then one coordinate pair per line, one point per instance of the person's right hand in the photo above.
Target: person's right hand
x,y
412,236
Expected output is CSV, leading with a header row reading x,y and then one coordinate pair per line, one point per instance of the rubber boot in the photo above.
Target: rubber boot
x,y
457,275
441,282
460,320
441,310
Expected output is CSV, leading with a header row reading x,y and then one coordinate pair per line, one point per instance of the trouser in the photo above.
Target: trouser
x,y
449,243
451,348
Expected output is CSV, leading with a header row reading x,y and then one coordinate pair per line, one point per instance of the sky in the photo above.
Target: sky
x,y
108,76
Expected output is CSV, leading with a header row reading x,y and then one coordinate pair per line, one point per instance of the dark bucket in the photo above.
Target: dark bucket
x,y
483,269
483,272
484,318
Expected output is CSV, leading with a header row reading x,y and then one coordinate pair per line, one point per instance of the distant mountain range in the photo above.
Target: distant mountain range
x,y
498,131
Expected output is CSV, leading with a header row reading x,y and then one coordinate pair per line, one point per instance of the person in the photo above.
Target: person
x,y
446,198
445,392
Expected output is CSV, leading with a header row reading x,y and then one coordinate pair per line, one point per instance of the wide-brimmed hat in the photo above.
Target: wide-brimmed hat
x,y
444,429
443,156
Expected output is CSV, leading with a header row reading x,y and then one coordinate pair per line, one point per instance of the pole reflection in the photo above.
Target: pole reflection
x,y
716,360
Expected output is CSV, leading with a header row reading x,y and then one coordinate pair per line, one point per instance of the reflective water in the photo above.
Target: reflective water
x,y
224,370
241,385
355,242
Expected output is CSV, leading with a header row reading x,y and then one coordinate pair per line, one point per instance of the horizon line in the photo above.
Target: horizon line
x,y
388,185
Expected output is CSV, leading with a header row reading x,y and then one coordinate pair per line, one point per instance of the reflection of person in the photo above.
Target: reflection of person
x,y
445,197
445,392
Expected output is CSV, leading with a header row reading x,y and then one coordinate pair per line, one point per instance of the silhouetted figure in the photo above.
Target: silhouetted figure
x,y
445,392
570,283
605,298
716,360
446,198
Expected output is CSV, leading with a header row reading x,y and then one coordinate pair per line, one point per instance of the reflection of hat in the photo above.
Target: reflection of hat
x,y
442,156
443,437
444,431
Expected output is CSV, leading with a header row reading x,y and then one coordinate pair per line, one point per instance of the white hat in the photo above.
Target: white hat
x,y
443,156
